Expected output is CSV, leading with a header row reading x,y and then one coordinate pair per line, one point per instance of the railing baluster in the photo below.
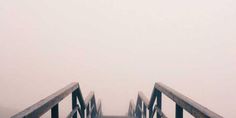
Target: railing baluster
x,y
74,103
92,111
182,103
139,112
54,112
150,113
82,115
178,111
159,102
87,111
79,105
144,111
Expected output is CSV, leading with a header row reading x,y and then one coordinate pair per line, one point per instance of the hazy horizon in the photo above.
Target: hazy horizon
x,y
117,48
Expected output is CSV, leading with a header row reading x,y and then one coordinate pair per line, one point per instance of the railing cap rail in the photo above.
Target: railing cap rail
x,y
143,98
186,103
88,98
47,103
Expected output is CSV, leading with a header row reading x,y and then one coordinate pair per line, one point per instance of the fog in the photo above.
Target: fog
x,y
117,48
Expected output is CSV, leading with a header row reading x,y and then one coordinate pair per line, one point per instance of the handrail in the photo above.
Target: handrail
x,y
99,109
88,98
143,98
131,108
182,102
52,102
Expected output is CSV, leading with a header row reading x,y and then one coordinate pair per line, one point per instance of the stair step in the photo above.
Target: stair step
x,y
115,117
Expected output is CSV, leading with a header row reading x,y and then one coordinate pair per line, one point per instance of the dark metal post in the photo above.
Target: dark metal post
x,y
158,103
139,112
93,107
82,115
74,103
144,111
54,112
88,110
150,113
178,111
92,110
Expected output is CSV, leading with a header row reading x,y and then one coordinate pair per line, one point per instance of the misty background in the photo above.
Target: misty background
x,y
117,48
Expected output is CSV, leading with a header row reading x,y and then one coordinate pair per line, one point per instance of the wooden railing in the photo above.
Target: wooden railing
x,y
87,107
182,103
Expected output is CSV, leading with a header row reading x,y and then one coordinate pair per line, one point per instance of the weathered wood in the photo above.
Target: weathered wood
x,y
99,108
186,103
182,102
143,98
131,108
47,103
52,101
99,105
88,98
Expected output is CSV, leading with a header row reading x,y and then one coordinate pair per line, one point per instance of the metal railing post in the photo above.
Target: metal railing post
x,y
154,105
159,102
144,111
79,105
87,111
82,113
54,112
74,103
178,111
150,113
138,112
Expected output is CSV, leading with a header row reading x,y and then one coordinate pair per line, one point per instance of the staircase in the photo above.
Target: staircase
x,y
115,117
90,108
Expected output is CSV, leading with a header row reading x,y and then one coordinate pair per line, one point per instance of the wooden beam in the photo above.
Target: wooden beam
x,y
47,103
186,103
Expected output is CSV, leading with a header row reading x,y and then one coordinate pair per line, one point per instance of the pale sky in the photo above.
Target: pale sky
x,y
117,48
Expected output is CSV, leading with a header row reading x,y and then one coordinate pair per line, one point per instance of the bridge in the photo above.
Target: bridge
x,y
89,107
